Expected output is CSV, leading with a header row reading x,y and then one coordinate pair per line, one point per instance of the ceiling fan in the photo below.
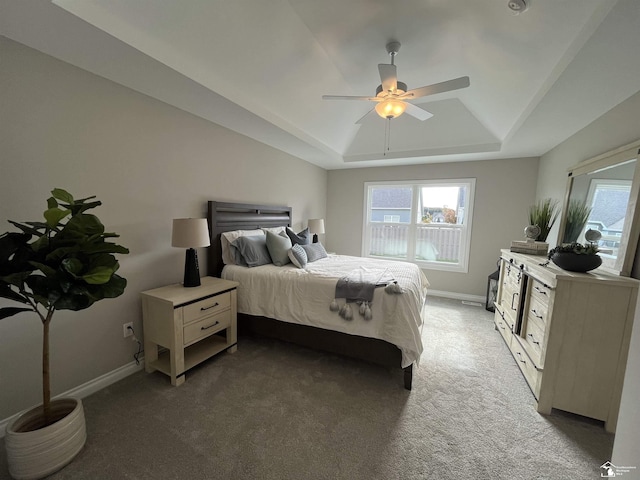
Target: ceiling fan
x,y
392,95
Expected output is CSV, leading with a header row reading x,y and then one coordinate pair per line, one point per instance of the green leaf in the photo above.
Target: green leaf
x,y
17,278
46,269
106,247
10,311
29,229
63,195
39,244
98,276
10,242
8,293
83,225
51,202
73,266
54,215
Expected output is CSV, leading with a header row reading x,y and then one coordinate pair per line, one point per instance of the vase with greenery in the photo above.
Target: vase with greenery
x,y
577,216
543,214
62,263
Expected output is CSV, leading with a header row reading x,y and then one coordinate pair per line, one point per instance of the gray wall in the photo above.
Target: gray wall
x,y
616,128
148,163
504,191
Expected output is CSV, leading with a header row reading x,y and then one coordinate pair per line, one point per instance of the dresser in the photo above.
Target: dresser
x,y
568,332
191,324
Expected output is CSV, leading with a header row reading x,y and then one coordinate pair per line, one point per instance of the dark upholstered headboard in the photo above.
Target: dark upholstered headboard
x,y
225,217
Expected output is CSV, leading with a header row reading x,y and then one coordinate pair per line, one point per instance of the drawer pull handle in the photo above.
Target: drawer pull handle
x,y
513,297
501,326
207,308
536,314
533,339
207,328
520,358
539,290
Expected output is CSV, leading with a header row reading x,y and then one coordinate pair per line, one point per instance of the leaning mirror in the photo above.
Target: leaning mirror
x,y
602,195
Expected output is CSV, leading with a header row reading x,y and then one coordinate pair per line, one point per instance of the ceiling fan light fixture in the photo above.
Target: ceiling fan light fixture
x,y
391,108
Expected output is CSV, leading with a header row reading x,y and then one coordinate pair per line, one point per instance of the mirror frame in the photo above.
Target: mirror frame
x,y
631,228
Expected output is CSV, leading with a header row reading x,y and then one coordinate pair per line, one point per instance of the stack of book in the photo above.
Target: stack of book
x,y
530,248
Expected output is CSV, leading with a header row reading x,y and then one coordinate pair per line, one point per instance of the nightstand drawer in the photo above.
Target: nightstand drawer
x,y
206,307
205,327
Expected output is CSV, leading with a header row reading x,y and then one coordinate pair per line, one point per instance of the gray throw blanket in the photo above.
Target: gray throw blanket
x,y
359,287
360,284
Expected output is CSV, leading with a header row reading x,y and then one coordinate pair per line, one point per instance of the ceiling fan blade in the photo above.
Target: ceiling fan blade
x,y
388,77
349,97
455,84
418,112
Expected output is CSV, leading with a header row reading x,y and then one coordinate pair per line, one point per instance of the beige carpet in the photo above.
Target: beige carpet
x,y
277,411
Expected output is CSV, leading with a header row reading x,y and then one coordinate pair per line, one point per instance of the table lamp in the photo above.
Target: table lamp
x,y
190,233
316,226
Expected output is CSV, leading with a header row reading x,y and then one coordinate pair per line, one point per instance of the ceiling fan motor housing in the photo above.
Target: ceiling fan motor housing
x,y
400,89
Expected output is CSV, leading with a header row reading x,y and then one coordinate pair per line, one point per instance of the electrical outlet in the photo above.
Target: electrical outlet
x,y
126,331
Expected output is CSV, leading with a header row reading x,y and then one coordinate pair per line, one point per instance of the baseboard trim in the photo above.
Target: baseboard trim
x,y
457,296
86,389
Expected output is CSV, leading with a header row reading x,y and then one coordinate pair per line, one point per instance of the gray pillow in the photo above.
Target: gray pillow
x,y
278,247
298,256
314,251
301,238
253,250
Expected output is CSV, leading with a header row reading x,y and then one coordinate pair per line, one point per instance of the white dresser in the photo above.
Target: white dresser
x,y
568,332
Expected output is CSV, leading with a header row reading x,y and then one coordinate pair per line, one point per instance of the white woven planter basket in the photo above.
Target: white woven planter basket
x,y
37,453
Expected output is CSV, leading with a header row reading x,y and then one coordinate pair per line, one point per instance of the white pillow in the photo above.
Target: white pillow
x,y
227,238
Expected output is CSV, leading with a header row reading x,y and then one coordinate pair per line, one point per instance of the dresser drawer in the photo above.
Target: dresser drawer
x,y
206,307
534,337
541,292
502,326
206,326
538,312
527,367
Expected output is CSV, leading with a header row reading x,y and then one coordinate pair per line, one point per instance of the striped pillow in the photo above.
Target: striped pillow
x,y
314,251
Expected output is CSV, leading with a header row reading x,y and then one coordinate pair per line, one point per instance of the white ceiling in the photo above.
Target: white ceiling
x,y
261,67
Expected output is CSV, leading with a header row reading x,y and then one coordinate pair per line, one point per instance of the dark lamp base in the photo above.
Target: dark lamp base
x,y
191,270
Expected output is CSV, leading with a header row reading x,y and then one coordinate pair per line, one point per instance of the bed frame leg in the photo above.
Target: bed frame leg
x,y
408,377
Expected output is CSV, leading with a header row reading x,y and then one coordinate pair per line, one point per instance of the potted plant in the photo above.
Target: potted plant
x,y
577,217
62,263
543,214
576,257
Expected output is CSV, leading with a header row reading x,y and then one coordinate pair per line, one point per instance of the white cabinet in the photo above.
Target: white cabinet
x,y
191,323
568,332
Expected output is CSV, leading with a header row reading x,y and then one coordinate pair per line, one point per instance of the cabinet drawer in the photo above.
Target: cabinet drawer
x,y
527,367
534,336
512,276
206,307
541,292
538,312
503,327
206,326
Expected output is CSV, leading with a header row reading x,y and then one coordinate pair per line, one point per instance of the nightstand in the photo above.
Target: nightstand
x,y
193,324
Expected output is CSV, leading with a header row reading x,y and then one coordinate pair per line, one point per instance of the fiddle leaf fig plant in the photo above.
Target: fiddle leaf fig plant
x,y
62,263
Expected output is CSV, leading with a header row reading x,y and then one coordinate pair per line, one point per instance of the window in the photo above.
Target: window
x,y
426,222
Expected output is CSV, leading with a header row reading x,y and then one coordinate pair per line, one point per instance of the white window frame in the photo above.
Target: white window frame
x,y
465,239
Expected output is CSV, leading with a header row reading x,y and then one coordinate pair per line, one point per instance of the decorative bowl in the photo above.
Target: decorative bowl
x,y
575,262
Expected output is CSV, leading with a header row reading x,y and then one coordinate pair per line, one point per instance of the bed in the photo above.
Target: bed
x,y
293,304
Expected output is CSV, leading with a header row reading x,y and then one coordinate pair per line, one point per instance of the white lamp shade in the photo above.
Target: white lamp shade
x,y
316,225
190,233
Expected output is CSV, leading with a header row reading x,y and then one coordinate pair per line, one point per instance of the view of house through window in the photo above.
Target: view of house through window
x,y
427,222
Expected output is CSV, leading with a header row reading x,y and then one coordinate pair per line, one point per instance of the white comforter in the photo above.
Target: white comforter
x,y
303,296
